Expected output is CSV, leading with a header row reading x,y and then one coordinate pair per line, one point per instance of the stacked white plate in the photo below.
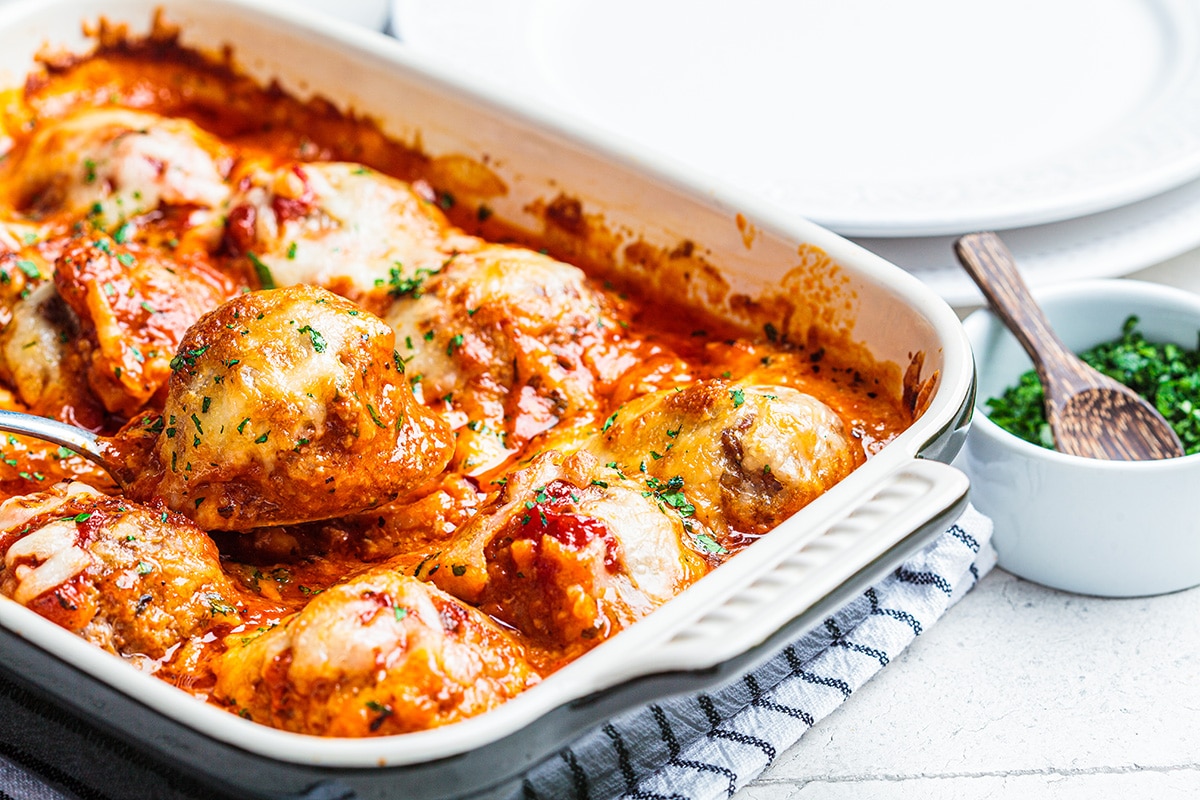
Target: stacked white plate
x,y
1071,126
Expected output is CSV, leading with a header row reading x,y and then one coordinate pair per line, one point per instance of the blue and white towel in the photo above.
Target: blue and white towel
x,y
693,747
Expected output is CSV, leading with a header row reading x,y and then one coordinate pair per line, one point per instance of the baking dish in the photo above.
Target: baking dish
x,y
725,624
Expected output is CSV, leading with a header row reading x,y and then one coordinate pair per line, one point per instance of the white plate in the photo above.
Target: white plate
x,y
1104,245
996,113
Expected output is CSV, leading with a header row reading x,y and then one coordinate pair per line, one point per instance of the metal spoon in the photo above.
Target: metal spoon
x,y
83,442
1090,414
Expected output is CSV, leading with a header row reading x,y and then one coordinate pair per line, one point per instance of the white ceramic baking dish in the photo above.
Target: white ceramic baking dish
x,y
729,621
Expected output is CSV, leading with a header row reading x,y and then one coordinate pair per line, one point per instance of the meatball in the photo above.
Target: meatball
x,y
748,456
512,341
134,305
114,164
571,551
289,406
379,654
132,579
341,226
37,360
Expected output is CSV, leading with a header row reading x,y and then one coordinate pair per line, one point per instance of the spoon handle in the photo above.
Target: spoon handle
x,y
83,442
990,264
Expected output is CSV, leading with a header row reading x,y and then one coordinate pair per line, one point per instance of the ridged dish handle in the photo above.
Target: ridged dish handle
x,y
916,495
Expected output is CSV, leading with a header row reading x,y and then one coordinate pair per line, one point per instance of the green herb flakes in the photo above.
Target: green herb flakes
x,y
30,269
265,278
318,341
1165,374
708,544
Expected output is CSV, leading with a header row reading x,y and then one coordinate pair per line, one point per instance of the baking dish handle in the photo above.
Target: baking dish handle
x,y
916,496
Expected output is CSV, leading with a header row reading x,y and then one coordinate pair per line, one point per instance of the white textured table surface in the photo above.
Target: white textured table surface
x,y
1021,691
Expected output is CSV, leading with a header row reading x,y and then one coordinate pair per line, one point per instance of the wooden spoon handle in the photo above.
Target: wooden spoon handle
x,y
990,264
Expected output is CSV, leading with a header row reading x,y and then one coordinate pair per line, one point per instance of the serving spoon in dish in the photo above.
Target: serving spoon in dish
x,y
79,440
1090,414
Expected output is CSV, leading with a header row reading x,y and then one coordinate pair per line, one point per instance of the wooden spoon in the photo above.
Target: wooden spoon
x,y
1090,414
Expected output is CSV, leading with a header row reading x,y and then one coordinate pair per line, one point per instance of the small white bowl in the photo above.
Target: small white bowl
x,y
1108,528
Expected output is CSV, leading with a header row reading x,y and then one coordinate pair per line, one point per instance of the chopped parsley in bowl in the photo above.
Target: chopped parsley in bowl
x,y
1166,374
1088,525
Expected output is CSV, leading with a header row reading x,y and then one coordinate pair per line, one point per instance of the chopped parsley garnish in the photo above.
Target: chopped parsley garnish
x,y
399,286
708,544
383,711
30,269
738,397
218,605
1165,374
671,493
187,358
265,278
375,416
318,341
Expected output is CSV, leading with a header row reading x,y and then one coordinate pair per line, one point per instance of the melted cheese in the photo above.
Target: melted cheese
x,y
113,164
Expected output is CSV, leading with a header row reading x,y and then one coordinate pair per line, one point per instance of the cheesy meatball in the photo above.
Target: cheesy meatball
x,y
113,164
341,226
288,406
132,579
572,551
510,341
379,654
748,456
134,306
34,347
